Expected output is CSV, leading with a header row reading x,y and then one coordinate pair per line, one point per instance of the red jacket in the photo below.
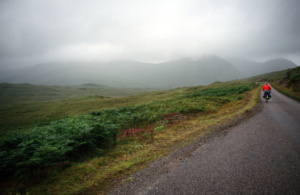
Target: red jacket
x,y
266,87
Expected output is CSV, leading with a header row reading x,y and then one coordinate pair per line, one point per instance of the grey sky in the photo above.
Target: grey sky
x,y
36,31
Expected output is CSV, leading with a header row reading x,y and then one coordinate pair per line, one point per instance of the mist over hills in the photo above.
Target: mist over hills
x,y
132,74
249,68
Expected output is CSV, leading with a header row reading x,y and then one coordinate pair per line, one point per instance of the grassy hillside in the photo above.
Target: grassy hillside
x,y
26,93
289,84
60,155
269,77
22,116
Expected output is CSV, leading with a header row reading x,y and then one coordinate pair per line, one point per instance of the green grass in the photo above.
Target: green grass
x,y
26,93
27,115
148,125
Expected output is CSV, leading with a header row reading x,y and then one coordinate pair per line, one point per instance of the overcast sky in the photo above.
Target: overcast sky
x,y
36,31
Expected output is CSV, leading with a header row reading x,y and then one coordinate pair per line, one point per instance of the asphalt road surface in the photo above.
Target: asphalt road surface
x,y
259,156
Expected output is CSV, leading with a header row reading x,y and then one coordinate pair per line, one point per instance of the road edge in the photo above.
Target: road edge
x,y
161,168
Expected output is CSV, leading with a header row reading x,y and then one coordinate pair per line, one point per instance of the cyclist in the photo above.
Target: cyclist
x,y
267,89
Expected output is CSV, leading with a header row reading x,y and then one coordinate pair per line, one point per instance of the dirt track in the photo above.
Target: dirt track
x,y
259,156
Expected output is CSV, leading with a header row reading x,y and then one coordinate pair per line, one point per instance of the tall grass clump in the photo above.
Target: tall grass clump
x,y
41,148
70,139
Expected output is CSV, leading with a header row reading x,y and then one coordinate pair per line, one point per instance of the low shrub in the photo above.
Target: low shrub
x,y
43,147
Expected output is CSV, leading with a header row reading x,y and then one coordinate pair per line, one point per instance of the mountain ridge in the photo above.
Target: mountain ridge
x,y
132,74
249,68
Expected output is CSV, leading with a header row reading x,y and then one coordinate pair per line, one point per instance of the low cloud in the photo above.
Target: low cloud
x,y
37,31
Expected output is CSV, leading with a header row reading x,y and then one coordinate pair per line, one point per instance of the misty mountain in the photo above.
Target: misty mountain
x,y
277,65
70,73
132,74
249,68
187,72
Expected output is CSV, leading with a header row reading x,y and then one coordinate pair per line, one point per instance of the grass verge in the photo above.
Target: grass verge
x,y
286,91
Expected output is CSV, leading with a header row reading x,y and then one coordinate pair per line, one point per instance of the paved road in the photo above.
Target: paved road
x,y
259,156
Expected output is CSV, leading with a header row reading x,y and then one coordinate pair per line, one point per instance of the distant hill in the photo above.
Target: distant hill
x,y
268,77
277,65
187,72
250,68
132,74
